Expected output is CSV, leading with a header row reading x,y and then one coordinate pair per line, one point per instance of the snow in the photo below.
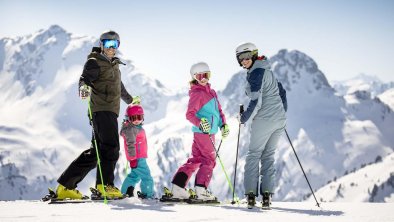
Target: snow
x,y
135,210
388,98
357,186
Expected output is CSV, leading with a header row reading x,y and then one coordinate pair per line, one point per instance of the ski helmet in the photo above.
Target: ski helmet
x,y
133,110
199,67
246,47
110,35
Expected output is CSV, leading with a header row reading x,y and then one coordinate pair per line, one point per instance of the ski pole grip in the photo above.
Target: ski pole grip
x,y
241,108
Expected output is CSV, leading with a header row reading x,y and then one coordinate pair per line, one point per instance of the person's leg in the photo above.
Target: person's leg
x,y
182,176
79,168
267,170
208,157
146,178
260,133
131,180
107,137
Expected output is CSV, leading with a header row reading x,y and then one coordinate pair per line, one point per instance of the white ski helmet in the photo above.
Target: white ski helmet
x,y
246,47
199,67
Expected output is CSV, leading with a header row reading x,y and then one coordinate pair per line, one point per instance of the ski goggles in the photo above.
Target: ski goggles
x,y
110,43
202,75
136,117
244,56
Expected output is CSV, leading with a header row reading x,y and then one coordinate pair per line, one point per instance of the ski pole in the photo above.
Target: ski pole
x,y
221,163
97,152
220,144
317,203
241,110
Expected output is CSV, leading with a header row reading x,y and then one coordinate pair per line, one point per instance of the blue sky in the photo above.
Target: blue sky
x,y
164,38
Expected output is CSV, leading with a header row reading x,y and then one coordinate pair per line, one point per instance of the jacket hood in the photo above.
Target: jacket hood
x,y
197,86
261,62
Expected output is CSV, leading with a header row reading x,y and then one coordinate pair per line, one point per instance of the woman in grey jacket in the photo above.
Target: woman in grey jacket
x,y
267,113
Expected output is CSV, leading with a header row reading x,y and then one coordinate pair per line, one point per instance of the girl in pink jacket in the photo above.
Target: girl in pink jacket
x,y
136,148
205,113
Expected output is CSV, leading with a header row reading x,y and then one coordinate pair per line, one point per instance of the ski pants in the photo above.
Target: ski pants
x,y
140,173
105,125
263,141
203,158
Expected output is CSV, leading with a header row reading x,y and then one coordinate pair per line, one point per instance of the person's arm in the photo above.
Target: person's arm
x,y
192,108
126,97
90,73
129,135
255,81
222,116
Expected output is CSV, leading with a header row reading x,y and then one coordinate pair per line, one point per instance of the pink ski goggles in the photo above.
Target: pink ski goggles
x,y
202,75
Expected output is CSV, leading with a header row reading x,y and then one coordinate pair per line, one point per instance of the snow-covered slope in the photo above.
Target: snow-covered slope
x,y
387,97
42,121
147,211
373,182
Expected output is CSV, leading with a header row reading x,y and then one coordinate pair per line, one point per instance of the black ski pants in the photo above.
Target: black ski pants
x,y
105,126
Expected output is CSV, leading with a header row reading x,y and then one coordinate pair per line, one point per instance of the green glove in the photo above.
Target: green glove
x,y
225,130
136,100
204,125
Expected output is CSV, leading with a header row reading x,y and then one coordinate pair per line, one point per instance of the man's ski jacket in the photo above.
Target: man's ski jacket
x,y
104,77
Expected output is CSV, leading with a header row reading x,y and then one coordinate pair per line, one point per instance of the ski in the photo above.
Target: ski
x,y
51,198
168,198
266,208
207,202
73,201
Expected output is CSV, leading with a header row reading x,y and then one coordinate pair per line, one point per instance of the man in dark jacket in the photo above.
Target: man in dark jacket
x,y
101,80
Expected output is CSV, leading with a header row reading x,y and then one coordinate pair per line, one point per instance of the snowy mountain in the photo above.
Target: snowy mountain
x,y
373,182
388,98
43,124
362,82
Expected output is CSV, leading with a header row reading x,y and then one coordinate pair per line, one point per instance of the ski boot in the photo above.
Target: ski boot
x,y
111,192
130,191
177,194
203,196
251,198
64,193
266,201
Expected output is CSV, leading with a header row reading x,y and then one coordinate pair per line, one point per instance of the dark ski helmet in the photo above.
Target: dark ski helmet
x,y
112,35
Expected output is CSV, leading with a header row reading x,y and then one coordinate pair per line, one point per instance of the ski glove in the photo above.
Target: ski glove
x,y
136,100
134,163
84,92
204,125
225,131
